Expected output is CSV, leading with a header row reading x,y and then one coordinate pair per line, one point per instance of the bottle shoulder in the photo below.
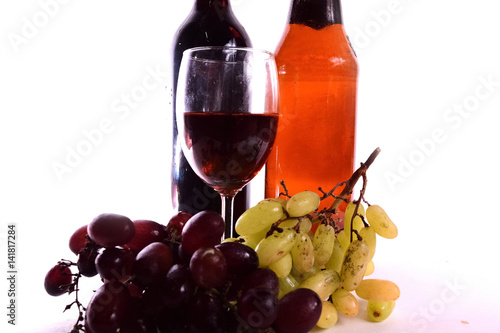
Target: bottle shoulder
x,y
206,28
305,49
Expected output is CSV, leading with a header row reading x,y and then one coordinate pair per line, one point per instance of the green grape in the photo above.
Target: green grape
x,y
283,266
259,218
304,276
379,311
380,221
289,223
370,268
275,247
281,201
329,315
370,237
287,284
252,240
257,237
305,224
337,257
323,243
303,253
354,265
302,203
378,290
345,302
343,239
357,223
324,283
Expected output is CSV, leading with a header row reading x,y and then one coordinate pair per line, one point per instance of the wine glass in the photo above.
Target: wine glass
x,y
227,116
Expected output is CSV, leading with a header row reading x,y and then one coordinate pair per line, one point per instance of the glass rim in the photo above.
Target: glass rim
x,y
236,48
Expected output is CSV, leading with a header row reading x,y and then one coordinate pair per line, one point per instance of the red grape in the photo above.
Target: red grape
x,y
182,256
111,230
109,308
134,289
208,267
207,313
258,307
176,224
204,229
146,232
178,287
86,261
87,328
298,311
235,287
152,264
78,240
58,279
241,259
151,301
115,264
262,278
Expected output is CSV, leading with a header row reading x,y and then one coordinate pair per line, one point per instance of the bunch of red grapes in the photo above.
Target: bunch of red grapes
x,y
176,278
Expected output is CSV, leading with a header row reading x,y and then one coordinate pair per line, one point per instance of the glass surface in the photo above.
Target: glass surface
x,y
227,115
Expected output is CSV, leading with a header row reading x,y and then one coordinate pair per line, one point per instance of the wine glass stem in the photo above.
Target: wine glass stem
x,y
227,214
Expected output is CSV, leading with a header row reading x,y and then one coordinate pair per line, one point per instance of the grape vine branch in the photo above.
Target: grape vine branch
x,y
73,287
349,184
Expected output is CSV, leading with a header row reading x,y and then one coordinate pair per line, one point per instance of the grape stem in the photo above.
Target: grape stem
x,y
73,287
349,184
360,173
282,183
330,194
356,208
81,309
357,234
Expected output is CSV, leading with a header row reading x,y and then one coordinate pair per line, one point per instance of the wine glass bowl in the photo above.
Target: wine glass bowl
x,y
227,114
228,150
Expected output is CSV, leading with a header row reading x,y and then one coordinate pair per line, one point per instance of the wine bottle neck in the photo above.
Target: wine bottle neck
x,y
221,5
316,14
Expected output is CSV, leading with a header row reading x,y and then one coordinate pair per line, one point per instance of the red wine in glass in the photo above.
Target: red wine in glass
x,y
228,149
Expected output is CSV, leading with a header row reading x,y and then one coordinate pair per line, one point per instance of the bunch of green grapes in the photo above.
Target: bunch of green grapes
x,y
302,246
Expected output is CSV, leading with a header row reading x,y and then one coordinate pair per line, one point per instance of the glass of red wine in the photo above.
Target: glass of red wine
x,y
227,116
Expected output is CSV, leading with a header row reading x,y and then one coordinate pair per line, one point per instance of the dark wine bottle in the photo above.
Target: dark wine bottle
x,y
210,23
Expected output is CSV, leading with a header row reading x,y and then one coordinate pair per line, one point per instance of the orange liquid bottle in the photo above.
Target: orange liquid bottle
x,y
318,72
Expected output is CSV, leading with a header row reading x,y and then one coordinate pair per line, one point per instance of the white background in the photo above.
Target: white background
x,y
429,96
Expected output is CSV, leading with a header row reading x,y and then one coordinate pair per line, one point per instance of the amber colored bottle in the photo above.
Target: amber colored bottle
x,y
210,23
318,73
